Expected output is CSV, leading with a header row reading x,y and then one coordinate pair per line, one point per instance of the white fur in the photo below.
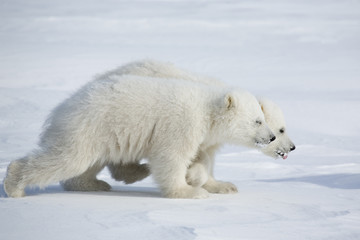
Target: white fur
x,y
201,171
196,175
121,119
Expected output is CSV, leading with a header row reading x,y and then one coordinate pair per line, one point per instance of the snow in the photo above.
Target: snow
x,y
304,55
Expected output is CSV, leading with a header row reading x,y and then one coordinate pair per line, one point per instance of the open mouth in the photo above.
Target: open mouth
x,y
283,155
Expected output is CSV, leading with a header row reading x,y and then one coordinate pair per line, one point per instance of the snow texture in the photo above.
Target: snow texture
x,y
303,55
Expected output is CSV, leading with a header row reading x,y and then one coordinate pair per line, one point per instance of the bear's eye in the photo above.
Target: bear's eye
x,y
258,122
282,130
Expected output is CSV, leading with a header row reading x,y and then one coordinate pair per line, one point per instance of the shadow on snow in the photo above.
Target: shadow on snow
x,y
341,181
126,191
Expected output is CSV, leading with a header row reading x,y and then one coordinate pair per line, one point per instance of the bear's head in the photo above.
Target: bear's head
x,y
275,119
242,122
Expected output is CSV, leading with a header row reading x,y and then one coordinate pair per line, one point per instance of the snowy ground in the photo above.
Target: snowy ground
x,y
304,55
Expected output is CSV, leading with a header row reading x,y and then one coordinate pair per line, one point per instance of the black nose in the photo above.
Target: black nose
x,y
272,139
292,148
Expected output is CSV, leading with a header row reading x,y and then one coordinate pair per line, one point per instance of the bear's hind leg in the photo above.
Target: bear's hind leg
x,y
129,173
13,178
41,169
87,181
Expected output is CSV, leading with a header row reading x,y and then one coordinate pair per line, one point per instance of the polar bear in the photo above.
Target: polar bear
x,y
202,170
121,119
202,166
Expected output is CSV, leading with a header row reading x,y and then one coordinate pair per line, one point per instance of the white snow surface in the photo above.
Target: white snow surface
x,y
304,55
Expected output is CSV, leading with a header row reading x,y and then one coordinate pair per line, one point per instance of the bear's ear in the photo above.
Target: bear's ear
x,y
261,103
229,101
262,106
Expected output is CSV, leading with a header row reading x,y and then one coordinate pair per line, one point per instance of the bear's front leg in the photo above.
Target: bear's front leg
x,y
197,175
170,175
200,173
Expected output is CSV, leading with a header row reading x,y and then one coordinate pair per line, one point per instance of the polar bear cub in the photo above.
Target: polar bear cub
x,y
121,119
201,167
200,170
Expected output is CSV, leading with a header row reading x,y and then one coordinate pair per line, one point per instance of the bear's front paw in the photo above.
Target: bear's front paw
x,y
196,175
187,192
220,187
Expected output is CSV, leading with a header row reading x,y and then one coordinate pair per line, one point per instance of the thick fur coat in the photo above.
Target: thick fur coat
x,y
121,119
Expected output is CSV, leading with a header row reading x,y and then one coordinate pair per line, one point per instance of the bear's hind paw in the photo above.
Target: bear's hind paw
x,y
84,185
